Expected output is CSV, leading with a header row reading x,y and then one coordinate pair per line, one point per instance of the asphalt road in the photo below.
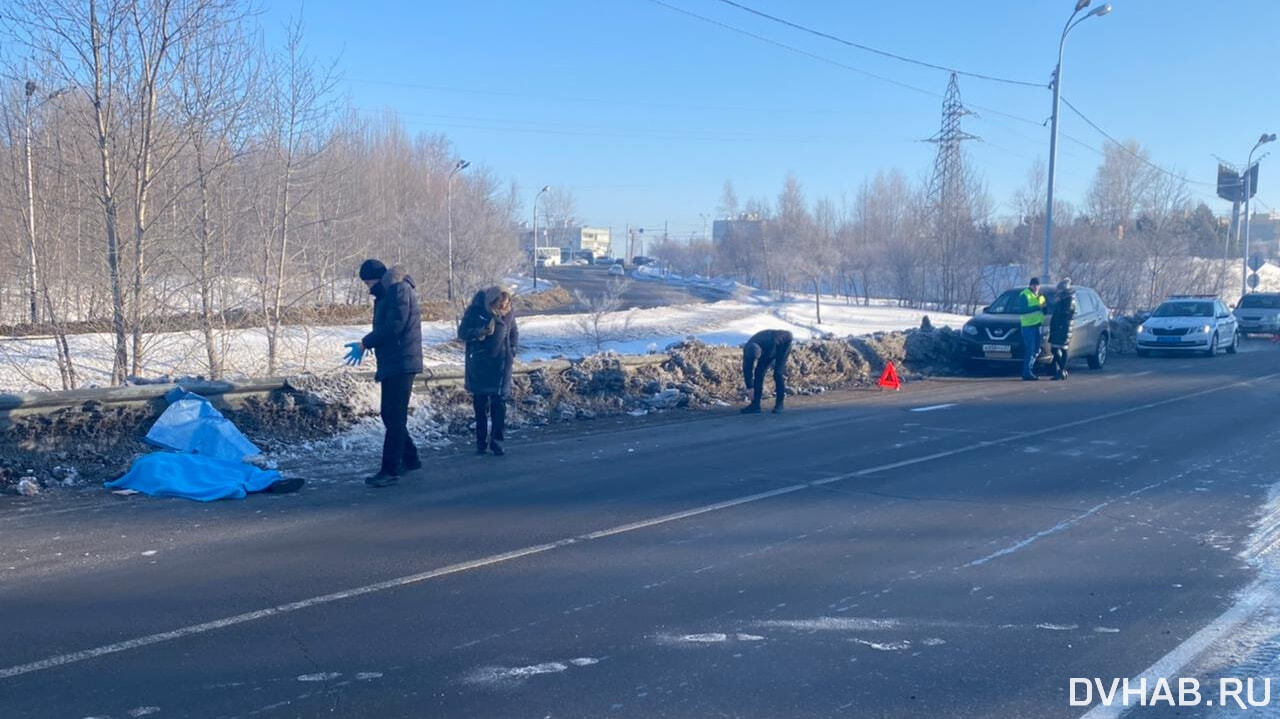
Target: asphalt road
x,y
958,549
594,281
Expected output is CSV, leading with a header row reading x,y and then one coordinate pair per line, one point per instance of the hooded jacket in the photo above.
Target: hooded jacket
x,y
492,342
396,339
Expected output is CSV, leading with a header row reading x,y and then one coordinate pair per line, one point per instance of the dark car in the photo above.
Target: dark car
x,y
993,338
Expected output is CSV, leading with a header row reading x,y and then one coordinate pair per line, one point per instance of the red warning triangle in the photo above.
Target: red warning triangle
x,y
890,377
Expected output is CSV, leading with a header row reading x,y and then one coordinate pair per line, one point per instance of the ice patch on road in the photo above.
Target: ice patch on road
x,y
367,676
1058,627
885,646
144,711
150,553
832,624
934,642
1106,630
319,677
510,677
750,638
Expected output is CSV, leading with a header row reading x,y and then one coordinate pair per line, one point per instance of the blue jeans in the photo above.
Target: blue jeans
x,y
1030,349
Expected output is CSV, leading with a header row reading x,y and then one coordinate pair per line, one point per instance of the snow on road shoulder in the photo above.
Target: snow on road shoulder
x,y
30,365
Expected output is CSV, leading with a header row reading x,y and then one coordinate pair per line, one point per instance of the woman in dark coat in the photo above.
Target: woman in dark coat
x,y
489,329
1064,310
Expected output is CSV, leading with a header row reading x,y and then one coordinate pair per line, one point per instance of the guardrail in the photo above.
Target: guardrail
x,y
440,376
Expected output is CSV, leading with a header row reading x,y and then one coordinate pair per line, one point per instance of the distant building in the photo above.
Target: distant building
x,y
573,241
1265,229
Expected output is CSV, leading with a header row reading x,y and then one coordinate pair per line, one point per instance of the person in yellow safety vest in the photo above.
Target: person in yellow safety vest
x,y
1032,321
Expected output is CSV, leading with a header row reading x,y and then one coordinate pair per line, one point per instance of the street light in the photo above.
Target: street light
x,y
1053,133
461,165
32,272
1248,179
545,188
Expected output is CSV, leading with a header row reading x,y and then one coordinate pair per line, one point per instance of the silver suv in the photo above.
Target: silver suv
x,y
1259,313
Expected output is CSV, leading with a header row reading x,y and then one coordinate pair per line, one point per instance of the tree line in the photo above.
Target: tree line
x,y
1137,236
159,160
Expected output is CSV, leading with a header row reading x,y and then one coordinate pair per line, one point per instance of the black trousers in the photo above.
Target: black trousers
x,y
1059,360
779,363
398,450
487,406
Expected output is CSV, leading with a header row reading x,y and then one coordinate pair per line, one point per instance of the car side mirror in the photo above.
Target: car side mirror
x,y
986,309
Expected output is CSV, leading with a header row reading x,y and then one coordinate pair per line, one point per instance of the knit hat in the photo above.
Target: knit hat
x,y
1064,285
372,270
493,294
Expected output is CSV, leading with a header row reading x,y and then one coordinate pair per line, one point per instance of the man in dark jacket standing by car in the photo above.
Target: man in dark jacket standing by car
x,y
765,348
1064,311
489,329
1032,323
396,341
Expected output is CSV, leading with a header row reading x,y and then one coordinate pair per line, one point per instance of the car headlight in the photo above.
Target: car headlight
x,y
970,330
1206,329
1142,329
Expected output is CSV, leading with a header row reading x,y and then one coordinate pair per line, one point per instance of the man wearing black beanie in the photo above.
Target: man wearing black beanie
x,y
396,341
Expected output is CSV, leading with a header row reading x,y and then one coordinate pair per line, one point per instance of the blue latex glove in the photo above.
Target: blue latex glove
x,y
356,355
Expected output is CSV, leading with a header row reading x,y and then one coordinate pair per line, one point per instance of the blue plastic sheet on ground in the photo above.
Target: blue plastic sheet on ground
x,y
194,476
191,424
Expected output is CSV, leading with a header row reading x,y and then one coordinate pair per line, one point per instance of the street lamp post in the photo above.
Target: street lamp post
x,y
458,167
545,188
1053,133
1248,180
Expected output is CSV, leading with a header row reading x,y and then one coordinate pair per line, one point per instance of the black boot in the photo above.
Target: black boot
x,y
381,479
496,447
777,406
753,408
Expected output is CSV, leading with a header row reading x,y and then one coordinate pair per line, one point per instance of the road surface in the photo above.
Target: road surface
x,y
962,548
593,281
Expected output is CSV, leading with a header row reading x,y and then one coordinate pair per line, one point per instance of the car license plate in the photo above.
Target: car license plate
x,y
1169,340
1002,351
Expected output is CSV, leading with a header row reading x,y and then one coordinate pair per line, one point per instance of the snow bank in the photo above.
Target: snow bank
x,y
29,364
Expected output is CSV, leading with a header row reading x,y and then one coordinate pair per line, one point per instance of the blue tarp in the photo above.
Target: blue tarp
x,y
204,479
208,458
191,424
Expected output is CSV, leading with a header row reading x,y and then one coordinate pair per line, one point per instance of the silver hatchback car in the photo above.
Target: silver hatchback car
x,y
1259,313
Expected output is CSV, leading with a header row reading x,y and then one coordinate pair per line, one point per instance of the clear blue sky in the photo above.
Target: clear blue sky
x,y
644,111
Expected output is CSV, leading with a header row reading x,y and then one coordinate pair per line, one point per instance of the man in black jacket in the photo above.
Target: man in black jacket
x,y
765,348
396,341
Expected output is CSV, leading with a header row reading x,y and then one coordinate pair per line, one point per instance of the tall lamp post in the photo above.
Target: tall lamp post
x,y
1248,190
1053,133
545,188
460,166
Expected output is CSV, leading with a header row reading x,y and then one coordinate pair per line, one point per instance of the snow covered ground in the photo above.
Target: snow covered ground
x,y
27,365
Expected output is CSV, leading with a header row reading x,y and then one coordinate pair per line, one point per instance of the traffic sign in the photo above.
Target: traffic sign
x,y
1256,262
1253,281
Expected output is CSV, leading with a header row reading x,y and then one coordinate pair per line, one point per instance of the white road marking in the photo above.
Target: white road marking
x,y
192,630
1258,596
933,407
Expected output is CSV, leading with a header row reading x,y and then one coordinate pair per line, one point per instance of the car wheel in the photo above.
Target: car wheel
x,y
1213,346
1144,353
1099,356
1235,343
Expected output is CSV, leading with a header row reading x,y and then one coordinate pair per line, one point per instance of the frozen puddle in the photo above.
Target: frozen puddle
x,y
320,677
885,646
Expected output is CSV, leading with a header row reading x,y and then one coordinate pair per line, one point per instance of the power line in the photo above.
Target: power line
x,y
1130,152
877,51
830,61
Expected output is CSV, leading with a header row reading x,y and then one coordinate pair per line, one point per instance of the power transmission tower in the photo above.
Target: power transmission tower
x,y
949,211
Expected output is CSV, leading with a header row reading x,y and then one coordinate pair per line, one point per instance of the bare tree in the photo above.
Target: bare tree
x,y
597,324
